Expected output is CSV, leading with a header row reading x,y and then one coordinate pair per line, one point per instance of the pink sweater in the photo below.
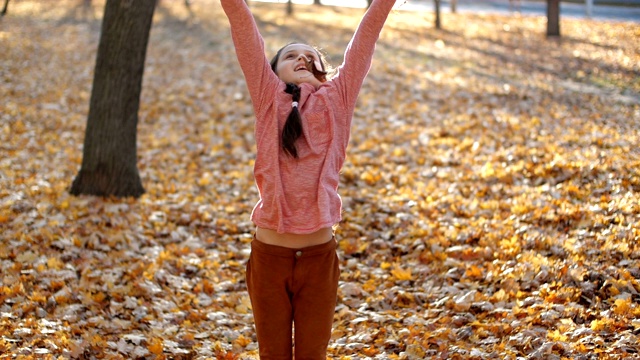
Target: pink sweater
x,y
301,195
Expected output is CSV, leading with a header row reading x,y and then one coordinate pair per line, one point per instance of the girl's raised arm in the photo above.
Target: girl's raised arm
x,y
250,51
357,57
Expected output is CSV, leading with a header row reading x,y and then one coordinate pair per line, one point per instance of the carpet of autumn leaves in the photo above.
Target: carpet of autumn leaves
x,y
491,193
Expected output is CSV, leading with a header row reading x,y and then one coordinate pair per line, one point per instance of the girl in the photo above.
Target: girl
x,y
302,130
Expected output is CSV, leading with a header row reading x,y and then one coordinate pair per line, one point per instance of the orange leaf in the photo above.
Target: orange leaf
x,y
474,272
155,346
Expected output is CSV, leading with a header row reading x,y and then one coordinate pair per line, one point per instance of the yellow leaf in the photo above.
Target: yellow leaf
x,y
244,306
37,297
55,263
98,341
205,180
242,341
556,336
64,205
599,325
370,285
399,152
369,177
622,306
487,170
401,274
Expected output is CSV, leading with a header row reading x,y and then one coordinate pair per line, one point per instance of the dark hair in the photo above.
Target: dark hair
x,y
293,126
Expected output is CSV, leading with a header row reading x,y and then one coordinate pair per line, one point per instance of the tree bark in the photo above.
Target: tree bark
x,y
289,7
553,17
437,11
109,162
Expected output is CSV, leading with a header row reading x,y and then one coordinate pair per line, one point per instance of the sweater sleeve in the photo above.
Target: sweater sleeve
x,y
249,45
359,52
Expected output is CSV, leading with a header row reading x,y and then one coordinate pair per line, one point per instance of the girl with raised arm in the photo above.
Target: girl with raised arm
x,y
302,129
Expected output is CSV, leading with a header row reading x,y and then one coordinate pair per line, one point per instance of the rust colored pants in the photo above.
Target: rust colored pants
x,y
293,286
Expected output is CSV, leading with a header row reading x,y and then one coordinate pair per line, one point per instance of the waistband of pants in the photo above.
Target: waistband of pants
x,y
320,249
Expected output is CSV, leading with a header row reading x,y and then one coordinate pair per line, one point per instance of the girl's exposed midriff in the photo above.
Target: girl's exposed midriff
x,y
295,241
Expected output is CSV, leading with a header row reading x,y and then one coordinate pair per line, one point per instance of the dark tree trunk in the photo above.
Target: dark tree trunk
x,y
109,162
553,17
4,9
317,2
290,7
437,11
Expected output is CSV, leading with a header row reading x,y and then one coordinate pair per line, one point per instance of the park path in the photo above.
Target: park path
x,y
533,8
600,12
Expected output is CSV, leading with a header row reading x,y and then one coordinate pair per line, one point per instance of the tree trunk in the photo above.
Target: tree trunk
x,y
437,11
454,6
553,17
317,2
289,7
4,9
109,162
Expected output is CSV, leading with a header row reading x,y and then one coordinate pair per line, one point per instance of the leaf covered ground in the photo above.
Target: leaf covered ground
x,y
491,193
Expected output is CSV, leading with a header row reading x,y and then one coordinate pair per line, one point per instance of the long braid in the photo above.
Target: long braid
x,y
293,126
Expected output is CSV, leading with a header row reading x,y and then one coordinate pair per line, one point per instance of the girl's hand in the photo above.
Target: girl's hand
x,y
319,75
316,69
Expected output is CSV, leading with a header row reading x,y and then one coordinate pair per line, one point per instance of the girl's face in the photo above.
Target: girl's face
x,y
291,64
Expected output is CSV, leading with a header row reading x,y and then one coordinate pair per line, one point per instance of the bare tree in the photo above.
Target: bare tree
x,y
187,3
4,8
553,17
109,162
87,9
515,5
438,23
